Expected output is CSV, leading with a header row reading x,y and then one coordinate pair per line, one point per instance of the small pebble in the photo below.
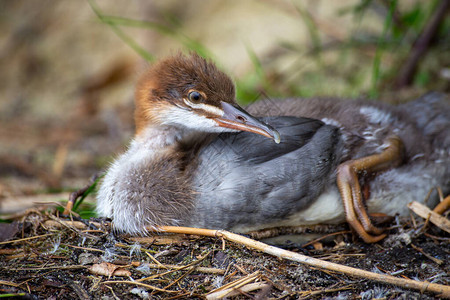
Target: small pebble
x,y
87,259
140,293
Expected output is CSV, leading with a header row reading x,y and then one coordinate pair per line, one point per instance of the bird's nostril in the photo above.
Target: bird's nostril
x,y
241,119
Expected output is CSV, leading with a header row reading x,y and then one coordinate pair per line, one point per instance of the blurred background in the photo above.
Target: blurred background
x,y
68,69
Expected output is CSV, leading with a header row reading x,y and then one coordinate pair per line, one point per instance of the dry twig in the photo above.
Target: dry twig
x,y
424,212
151,287
177,268
440,290
230,292
26,239
422,44
233,286
436,260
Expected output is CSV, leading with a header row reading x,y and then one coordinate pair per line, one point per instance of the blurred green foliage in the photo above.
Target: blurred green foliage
x,y
369,77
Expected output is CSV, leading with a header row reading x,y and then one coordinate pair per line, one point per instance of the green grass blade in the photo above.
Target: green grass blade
x,y
125,38
376,74
311,26
114,22
90,190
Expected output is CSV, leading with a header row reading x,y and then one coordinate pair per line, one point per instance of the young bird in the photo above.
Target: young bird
x,y
200,160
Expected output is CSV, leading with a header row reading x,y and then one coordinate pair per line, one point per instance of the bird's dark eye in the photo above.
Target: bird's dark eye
x,y
195,96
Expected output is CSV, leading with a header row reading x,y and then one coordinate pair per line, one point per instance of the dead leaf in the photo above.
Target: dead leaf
x,y
8,230
318,246
108,269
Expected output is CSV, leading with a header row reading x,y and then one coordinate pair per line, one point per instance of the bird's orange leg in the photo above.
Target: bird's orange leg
x,y
350,190
442,206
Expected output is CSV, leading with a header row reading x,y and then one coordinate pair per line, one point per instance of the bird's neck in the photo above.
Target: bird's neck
x,y
159,137
150,144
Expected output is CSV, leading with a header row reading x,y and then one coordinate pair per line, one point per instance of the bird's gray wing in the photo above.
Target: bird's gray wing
x,y
254,148
244,179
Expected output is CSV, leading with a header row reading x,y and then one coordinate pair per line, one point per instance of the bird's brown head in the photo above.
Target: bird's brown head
x,y
191,92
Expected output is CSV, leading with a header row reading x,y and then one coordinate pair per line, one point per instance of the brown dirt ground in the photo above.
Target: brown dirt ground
x,y
58,262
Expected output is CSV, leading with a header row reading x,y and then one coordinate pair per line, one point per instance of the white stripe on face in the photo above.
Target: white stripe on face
x,y
189,119
206,107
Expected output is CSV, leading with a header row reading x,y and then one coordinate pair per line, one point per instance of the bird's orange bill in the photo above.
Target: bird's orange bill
x,y
235,117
